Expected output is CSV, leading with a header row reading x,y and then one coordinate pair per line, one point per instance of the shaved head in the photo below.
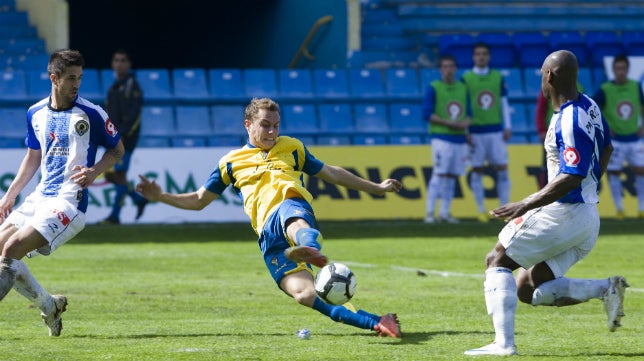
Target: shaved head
x,y
559,76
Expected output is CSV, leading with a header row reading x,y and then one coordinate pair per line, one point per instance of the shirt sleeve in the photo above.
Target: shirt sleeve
x,y
215,182
576,152
428,103
311,164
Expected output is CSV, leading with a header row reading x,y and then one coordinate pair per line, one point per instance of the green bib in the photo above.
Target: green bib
x,y
622,108
485,95
451,103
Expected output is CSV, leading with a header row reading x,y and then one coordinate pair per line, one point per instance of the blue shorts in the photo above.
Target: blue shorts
x,y
273,241
124,163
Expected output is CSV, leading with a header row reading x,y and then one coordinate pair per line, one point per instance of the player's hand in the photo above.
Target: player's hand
x,y
149,189
510,211
390,185
6,206
84,176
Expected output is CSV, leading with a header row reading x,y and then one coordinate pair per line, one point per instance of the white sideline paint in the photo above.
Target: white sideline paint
x,y
441,273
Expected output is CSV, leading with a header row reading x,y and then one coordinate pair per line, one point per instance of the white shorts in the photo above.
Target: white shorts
x,y
488,147
631,152
560,234
448,157
56,219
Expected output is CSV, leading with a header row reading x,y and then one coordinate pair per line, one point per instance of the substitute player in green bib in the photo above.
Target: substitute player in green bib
x,y
621,103
268,175
490,127
446,108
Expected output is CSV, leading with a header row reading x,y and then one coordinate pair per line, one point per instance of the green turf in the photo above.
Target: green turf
x,y
201,292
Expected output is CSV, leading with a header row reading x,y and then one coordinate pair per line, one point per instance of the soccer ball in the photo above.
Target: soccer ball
x,y
335,283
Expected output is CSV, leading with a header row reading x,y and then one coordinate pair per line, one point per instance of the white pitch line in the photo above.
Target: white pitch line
x,y
442,273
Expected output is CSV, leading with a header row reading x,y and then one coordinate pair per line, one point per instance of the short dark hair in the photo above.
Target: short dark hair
x,y
446,57
481,44
60,60
123,52
621,58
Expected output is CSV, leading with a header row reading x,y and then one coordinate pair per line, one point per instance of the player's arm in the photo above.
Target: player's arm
x,y
340,176
559,187
196,200
85,176
28,167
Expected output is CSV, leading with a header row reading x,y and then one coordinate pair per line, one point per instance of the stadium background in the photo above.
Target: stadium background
x,y
396,41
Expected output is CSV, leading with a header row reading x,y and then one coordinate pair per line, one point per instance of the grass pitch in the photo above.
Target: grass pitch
x,y
202,292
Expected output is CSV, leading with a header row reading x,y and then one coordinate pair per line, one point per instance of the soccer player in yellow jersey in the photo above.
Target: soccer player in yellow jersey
x,y
267,173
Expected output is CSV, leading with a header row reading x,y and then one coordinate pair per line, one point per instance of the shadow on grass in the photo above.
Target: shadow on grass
x,y
210,232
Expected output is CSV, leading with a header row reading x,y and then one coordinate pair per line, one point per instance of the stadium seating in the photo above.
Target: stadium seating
x,y
157,121
13,85
298,119
335,118
155,84
532,82
570,40
371,118
228,120
193,120
601,44
333,140
189,84
187,141
407,118
13,123
633,42
502,50
402,83
532,48
514,81
367,139
460,46
366,84
295,84
331,83
38,83
227,84
91,86
260,83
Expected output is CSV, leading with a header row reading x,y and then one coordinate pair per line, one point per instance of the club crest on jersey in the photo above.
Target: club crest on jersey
x,y
455,110
625,110
486,99
82,126
571,156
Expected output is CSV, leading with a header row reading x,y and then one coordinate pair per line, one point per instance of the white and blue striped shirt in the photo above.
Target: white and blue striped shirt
x,y
575,142
67,138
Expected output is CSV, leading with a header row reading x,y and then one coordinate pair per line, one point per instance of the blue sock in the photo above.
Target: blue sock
x,y
360,319
308,237
121,191
136,197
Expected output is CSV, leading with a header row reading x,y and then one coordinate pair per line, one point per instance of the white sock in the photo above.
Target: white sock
x,y
476,183
433,190
447,195
503,186
639,188
501,301
7,275
561,291
615,184
27,286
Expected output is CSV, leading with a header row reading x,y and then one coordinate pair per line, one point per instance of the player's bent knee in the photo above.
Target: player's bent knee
x,y
305,297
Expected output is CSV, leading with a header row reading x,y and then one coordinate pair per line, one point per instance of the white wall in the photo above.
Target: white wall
x,y
51,18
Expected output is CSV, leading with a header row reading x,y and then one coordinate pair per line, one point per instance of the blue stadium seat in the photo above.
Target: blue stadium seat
x,y
407,118
570,40
13,85
407,139
371,118
157,121
227,84
335,118
193,120
155,84
225,141
189,84
228,120
502,51
11,143
514,81
428,75
308,140
334,140
260,83
331,83
38,83
601,44
389,43
153,142
585,78
459,45
22,46
599,76
33,61
91,86
402,83
107,79
13,123
298,119
633,42
366,83
519,116
365,139
295,84
532,82
187,141
532,48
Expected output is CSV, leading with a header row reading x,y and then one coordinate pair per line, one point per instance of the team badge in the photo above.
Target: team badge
x,y
571,156
82,126
625,110
486,100
455,110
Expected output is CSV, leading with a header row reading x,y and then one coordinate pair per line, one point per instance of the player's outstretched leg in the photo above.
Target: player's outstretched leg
x,y
307,248
614,301
386,325
53,319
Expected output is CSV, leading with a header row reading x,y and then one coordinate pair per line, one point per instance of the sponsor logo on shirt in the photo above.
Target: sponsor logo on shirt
x,y
62,217
110,128
571,156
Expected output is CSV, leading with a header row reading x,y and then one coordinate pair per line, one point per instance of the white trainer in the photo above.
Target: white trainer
x,y
430,219
492,349
53,320
614,301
